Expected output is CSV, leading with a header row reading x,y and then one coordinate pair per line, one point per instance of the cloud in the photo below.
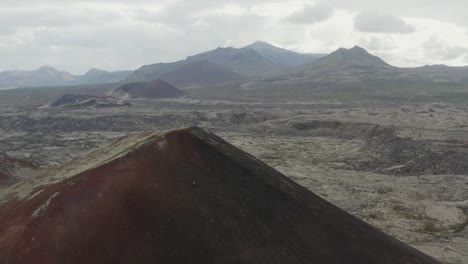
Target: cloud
x,y
453,11
374,43
76,35
381,23
438,49
311,14
13,19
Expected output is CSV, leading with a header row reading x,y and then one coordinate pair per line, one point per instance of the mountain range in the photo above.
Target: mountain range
x,y
213,67
42,76
254,60
49,76
258,65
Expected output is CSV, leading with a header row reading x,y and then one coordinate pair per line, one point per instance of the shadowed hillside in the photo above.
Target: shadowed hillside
x,y
201,73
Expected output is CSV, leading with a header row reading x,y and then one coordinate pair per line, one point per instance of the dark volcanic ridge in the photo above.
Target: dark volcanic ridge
x,y
184,196
152,90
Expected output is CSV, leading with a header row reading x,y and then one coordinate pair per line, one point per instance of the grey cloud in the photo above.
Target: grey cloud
x,y
80,49
374,43
76,35
116,45
437,49
381,23
81,34
453,11
311,14
11,20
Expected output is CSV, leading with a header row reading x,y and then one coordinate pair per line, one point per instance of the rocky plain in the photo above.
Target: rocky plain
x,y
400,167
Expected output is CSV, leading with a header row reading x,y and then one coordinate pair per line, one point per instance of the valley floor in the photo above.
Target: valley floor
x,y
401,168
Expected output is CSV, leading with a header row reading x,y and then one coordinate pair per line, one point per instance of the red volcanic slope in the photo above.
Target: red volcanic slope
x,y
184,196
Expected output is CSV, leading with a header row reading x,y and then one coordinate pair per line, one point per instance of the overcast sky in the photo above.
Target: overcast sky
x,y
76,35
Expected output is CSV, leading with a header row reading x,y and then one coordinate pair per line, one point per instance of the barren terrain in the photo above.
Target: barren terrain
x,y
402,168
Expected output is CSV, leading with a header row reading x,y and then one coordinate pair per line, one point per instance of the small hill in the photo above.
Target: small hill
x,y
282,56
153,89
200,73
184,196
339,71
343,59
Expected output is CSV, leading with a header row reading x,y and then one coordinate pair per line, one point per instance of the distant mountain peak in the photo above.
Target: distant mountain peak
x,y
47,68
343,59
355,56
356,47
353,49
281,56
257,59
243,61
95,71
260,43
